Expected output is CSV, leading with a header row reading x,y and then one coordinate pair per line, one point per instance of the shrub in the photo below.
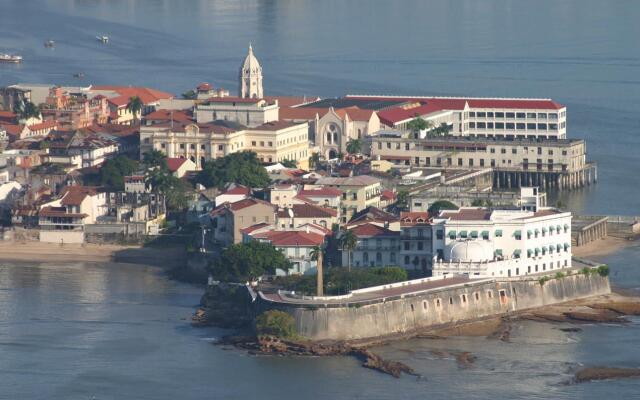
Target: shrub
x,y
560,275
586,271
276,323
603,270
543,280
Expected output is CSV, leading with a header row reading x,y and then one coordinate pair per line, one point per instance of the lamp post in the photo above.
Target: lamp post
x,y
203,248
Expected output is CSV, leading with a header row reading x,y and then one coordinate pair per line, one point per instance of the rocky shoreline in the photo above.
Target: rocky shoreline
x,y
219,310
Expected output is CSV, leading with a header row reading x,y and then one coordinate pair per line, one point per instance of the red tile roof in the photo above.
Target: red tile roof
x,y
175,163
204,86
301,113
238,189
75,195
412,218
371,230
43,125
168,115
308,211
147,95
425,106
355,113
255,227
239,205
59,212
293,238
467,214
388,195
275,125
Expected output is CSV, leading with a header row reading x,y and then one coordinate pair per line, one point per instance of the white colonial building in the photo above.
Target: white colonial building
x,y
507,243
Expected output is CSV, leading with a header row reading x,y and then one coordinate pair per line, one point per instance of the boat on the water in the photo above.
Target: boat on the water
x,y
103,39
10,58
78,75
49,44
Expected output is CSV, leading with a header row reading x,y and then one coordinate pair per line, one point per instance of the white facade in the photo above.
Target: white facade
x,y
251,77
250,113
503,243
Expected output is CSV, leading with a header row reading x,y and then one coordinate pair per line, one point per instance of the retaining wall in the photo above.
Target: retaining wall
x,y
407,313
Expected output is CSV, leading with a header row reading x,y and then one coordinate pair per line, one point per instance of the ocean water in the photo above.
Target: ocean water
x,y
108,331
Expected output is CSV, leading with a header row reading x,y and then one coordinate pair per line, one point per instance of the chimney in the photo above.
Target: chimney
x,y
307,229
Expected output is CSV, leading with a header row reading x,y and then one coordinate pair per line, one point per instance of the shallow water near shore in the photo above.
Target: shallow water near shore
x,y
114,331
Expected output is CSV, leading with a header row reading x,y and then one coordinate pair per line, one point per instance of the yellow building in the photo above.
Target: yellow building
x,y
358,193
272,142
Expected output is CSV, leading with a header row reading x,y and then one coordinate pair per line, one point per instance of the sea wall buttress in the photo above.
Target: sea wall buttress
x,y
416,311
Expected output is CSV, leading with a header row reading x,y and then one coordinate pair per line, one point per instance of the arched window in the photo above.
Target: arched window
x,y
365,257
406,259
328,137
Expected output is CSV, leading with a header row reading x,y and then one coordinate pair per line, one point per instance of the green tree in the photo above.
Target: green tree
x,y
189,95
248,261
289,163
317,254
276,323
440,205
402,201
155,158
441,130
348,242
354,146
114,170
242,168
418,124
26,109
135,107
314,160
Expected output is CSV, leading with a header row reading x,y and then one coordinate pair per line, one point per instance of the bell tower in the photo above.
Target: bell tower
x,y
250,77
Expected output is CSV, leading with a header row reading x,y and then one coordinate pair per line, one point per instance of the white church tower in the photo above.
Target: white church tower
x,y
251,77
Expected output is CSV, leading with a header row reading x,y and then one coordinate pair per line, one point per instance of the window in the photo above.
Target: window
x,y
424,305
489,294
499,115
531,127
520,126
181,146
203,147
450,300
439,234
510,125
520,115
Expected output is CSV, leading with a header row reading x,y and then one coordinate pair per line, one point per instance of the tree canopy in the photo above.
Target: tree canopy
x,y
135,107
402,201
114,170
247,261
242,168
418,124
354,146
440,205
189,95
289,163
26,109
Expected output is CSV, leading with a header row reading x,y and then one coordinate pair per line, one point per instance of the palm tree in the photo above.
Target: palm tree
x,y
314,160
317,255
348,241
27,109
354,146
418,124
134,107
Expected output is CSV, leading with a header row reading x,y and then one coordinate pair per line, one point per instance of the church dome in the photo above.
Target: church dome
x,y
250,64
472,250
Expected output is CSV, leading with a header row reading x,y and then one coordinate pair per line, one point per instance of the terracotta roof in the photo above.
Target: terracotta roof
x,y
413,218
308,211
293,238
241,204
147,95
75,195
175,163
7,116
204,86
371,230
238,189
43,125
301,113
355,113
321,192
371,214
255,227
59,212
12,129
467,214
388,195
119,101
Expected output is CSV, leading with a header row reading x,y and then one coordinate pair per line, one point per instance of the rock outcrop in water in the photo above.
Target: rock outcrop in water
x,y
270,345
600,373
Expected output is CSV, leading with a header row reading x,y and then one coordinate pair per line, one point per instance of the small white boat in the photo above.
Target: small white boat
x,y
10,58
49,44
103,39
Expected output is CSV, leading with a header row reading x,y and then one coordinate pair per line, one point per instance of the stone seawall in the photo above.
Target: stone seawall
x,y
415,311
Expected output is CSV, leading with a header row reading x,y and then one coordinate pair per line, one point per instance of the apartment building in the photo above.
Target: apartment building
x,y
358,193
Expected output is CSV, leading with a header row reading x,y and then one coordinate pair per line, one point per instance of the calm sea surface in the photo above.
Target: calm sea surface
x,y
114,331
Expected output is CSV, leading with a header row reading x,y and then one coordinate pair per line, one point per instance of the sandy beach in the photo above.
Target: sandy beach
x,y
43,252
